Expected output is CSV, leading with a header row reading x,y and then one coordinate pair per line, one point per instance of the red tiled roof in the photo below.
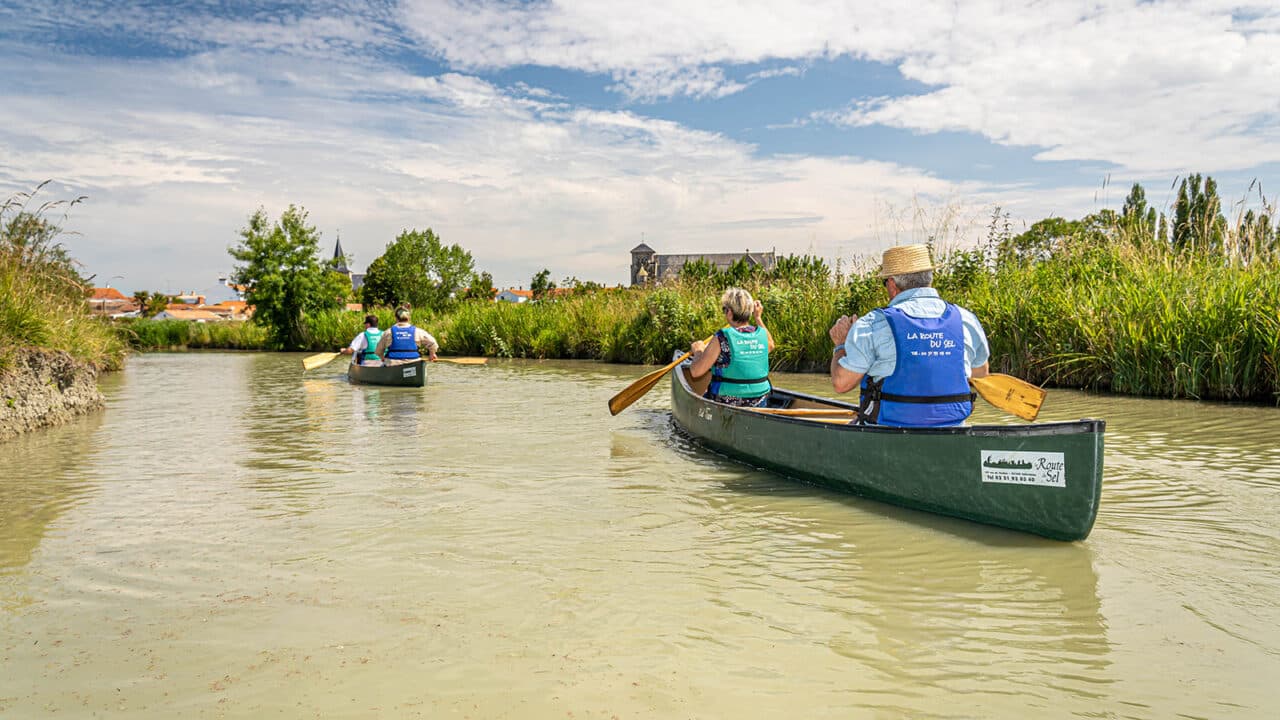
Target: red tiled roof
x,y
107,294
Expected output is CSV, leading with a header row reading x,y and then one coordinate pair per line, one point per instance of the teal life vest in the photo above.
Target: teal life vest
x,y
747,375
371,337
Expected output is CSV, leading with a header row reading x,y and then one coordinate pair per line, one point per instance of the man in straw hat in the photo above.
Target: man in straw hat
x,y
913,358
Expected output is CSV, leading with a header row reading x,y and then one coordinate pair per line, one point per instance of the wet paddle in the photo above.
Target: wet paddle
x,y
1010,394
311,362
463,360
637,389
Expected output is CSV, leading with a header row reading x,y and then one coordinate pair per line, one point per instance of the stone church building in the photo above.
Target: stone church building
x,y
648,267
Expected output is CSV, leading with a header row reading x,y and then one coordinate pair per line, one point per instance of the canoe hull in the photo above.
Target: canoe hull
x,y
1043,478
412,374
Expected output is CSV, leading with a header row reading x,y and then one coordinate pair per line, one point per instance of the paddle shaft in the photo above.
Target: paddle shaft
x,y
637,389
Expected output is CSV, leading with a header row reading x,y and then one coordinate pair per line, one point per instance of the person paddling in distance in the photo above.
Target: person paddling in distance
x,y
912,359
399,344
739,361
363,345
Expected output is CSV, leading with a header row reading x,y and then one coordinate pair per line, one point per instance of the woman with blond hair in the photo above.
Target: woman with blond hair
x,y
739,359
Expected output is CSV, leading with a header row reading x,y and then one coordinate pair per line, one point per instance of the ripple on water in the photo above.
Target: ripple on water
x,y
258,533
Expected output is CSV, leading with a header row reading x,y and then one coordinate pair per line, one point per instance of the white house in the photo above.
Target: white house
x,y
512,295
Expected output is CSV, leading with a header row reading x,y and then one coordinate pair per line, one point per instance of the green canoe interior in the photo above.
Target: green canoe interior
x,y
932,469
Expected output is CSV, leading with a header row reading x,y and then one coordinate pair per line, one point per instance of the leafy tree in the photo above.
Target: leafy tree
x,y
1137,220
150,303
280,266
1198,223
542,284
481,288
418,270
801,270
699,271
741,273
30,240
1039,241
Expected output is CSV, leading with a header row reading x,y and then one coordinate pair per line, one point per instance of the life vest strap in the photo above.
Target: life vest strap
x,y
925,399
741,381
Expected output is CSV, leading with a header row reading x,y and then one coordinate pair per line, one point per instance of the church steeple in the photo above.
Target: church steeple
x,y
339,257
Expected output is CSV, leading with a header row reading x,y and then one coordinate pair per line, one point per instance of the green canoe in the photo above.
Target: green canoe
x,y
1043,478
412,374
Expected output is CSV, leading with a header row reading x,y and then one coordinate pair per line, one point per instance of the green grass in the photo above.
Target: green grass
x,y
1115,316
42,300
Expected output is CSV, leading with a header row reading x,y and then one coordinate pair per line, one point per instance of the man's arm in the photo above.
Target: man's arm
x,y
842,378
424,338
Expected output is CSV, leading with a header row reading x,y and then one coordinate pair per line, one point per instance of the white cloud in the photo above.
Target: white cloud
x,y
176,151
1152,87
521,182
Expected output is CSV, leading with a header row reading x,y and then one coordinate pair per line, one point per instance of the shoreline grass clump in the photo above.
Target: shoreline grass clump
x,y
42,295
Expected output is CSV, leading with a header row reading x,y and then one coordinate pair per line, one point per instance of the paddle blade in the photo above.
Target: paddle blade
x,y
312,362
1010,394
463,360
637,389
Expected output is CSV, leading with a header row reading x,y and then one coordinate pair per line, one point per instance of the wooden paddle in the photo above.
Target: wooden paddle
x,y
311,362
1010,394
463,360
637,389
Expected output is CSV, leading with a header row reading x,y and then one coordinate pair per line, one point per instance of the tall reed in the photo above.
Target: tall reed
x,y
42,297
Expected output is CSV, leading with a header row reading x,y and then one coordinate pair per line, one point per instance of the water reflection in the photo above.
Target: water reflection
x,y
43,479
289,424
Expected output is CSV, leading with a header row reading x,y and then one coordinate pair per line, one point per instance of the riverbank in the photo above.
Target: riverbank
x,y
1111,318
51,347
42,388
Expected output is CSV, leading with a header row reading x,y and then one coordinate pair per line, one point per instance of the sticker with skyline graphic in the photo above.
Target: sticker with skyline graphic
x,y
1024,468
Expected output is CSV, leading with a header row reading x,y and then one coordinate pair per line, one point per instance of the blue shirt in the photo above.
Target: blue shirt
x,y
869,349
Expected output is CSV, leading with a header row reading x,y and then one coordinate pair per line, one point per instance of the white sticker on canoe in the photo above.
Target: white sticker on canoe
x,y
705,413
410,371
1024,468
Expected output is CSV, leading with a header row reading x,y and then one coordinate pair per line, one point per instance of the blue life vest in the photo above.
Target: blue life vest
x,y
404,345
371,337
928,386
747,375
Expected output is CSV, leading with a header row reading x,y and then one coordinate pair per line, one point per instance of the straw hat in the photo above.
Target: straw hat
x,y
904,260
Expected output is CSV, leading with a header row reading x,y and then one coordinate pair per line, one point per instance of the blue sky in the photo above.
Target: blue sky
x,y
560,134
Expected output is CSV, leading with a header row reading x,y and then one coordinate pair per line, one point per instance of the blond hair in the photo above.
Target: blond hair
x,y
738,302
402,314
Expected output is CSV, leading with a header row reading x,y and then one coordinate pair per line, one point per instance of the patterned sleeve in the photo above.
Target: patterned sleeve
x,y
723,360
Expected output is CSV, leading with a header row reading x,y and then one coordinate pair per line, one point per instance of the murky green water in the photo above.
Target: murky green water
x,y
233,539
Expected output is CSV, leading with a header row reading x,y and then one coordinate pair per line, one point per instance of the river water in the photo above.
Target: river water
x,y
233,538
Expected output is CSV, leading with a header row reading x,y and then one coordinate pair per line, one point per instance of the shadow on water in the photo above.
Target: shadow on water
x,y
44,481
921,599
